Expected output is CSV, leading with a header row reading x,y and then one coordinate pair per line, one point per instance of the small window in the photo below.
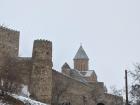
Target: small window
x,y
47,53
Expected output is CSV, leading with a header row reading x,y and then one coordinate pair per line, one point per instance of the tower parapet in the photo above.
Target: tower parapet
x,y
42,50
3,28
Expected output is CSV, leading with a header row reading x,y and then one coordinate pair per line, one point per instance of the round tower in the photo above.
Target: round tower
x,y
41,75
81,60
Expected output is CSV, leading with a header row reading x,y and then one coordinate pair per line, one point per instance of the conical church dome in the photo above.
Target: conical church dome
x,y
81,54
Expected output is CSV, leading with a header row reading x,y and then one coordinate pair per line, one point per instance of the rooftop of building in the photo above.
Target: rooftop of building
x,y
81,54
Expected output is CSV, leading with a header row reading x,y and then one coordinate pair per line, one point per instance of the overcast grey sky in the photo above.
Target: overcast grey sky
x,y
108,29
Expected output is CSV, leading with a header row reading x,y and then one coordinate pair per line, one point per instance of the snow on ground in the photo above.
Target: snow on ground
x,y
28,101
24,97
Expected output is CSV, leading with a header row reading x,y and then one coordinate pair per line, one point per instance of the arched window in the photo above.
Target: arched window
x,y
100,104
84,67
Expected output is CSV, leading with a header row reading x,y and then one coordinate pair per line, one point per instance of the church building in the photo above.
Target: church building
x,y
81,66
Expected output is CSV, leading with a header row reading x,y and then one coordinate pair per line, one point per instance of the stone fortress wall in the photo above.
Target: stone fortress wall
x,y
46,84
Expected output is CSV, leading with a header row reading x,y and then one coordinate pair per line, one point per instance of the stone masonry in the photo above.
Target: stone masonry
x,y
77,86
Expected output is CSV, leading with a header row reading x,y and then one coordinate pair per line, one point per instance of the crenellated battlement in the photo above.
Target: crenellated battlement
x,y
41,42
42,49
6,29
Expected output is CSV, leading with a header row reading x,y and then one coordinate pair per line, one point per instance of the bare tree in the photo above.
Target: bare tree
x,y
135,86
117,93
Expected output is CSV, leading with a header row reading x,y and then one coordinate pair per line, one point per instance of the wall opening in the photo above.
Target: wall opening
x,y
100,104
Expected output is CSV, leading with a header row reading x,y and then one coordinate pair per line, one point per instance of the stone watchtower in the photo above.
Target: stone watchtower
x,y
9,44
9,41
41,75
81,60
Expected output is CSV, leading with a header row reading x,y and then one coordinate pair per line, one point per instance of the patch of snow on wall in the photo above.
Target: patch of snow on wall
x,y
24,91
89,72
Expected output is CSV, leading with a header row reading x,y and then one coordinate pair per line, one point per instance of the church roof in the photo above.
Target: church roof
x,y
65,66
88,73
77,75
81,54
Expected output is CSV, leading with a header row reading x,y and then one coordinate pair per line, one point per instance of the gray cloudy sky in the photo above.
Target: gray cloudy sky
x,y
108,29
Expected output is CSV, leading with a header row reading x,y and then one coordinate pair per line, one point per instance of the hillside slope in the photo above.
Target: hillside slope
x,y
8,100
18,100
